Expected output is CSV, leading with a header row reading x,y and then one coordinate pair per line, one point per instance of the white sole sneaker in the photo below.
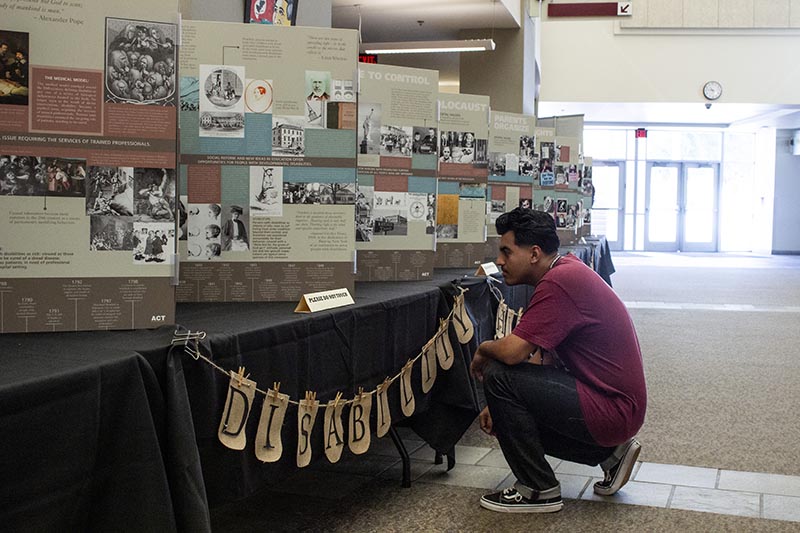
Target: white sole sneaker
x,y
550,507
623,473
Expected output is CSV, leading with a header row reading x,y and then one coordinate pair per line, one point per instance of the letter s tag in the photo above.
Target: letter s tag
x,y
306,414
237,408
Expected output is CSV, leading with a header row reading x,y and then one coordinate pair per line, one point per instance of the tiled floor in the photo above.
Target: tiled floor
x,y
751,494
714,307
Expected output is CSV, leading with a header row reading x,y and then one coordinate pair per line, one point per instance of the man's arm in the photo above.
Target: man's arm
x,y
509,350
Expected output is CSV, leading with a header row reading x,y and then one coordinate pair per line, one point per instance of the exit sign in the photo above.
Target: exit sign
x,y
591,9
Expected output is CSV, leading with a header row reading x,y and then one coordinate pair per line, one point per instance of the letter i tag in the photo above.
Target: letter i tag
x,y
269,446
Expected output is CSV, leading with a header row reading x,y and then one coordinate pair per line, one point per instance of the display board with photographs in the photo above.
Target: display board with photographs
x,y
511,168
397,161
268,156
463,178
88,166
559,188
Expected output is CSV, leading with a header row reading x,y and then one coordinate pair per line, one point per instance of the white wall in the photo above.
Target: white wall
x,y
786,226
584,60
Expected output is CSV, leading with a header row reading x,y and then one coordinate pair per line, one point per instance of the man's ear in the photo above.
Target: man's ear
x,y
536,254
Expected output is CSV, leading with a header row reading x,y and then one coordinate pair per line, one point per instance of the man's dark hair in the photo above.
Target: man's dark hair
x,y
530,228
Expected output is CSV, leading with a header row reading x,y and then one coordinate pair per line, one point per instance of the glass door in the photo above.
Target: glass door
x,y
681,207
662,207
699,209
608,179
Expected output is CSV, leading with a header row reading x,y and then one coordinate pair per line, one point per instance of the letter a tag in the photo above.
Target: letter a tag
x,y
428,365
461,320
407,403
334,431
384,417
269,446
306,414
237,408
444,349
359,438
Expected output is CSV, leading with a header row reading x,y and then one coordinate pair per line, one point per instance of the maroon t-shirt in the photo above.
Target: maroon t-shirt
x,y
574,312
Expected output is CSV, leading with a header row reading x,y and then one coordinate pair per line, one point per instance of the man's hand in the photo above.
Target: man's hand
x,y
485,419
478,365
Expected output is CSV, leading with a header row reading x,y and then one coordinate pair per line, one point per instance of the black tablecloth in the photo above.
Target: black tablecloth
x,y
95,435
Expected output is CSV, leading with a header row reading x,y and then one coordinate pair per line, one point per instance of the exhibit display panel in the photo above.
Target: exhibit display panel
x,y
511,168
396,203
268,156
463,177
88,100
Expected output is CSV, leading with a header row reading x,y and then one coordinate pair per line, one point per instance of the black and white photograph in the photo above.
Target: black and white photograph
x,y
235,235
266,187
183,218
390,200
549,204
319,193
364,220
526,146
369,123
64,176
14,67
316,111
221,102
481,153
109,191
221,124
497,164
396,140
110,233
153,242
204,239
390,222
457,147
154,194
223,88
430,218
18,176
288,135
424,141
526,166
496,208
561,205
140,62
343,91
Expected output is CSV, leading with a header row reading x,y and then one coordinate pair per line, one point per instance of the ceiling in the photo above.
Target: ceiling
x,y
423,20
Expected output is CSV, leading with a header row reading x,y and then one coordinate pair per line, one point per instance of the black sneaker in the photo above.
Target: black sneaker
x,y
511,501
617,476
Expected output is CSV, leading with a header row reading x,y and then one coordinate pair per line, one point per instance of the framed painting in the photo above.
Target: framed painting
x,y
280,12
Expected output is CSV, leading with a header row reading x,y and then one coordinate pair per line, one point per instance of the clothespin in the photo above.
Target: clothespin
x,y
337,399
360,393
240,377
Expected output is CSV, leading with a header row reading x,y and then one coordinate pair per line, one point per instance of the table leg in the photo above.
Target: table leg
x,y
398,442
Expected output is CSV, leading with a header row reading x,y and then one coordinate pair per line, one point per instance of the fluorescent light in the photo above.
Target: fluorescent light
x,y
428,47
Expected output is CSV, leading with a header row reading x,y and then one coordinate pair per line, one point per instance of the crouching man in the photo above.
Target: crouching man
x,y
568,381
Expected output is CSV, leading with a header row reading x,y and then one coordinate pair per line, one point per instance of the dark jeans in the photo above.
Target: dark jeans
x,y
535,411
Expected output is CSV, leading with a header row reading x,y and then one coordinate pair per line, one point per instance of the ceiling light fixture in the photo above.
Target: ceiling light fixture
x,y
428,47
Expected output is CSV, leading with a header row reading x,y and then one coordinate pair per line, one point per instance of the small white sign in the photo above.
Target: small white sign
x,y
487,269
322,301
624,9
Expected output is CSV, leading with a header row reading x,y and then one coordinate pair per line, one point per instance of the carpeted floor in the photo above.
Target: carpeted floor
x,y
722,393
